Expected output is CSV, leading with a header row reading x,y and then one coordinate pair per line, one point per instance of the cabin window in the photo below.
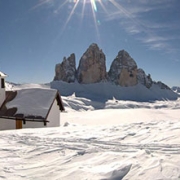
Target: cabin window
x,y
45,123
2,83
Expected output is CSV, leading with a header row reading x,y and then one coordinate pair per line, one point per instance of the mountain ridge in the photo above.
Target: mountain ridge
x,y
92,69
123,81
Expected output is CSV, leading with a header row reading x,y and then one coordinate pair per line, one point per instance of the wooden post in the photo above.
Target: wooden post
x,y
18,124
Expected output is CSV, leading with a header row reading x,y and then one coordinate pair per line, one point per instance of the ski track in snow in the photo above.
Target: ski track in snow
x,y
145,150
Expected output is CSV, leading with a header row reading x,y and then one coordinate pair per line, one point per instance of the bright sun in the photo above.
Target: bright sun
x,y
94,5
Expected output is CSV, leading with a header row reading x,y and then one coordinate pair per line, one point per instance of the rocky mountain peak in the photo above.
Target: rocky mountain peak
x,y
125,59
66,70
92,66
143,78
123,53
123,70
93,45
92,69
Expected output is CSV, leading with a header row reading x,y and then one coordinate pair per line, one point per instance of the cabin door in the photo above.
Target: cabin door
x,y
18,124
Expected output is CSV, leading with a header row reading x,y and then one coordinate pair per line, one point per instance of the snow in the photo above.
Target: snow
x,y
108,140
105,90
176,89
2,74
12,86
33,101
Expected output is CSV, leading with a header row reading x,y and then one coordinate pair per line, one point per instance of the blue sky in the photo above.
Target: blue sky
x,y
35,35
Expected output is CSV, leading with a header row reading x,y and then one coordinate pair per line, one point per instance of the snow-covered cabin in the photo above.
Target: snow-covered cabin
x,y
29,108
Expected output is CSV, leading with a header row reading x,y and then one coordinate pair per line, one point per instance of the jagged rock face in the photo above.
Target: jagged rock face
x,y
123,70
92,67
162,85
66,70
127,78
144,79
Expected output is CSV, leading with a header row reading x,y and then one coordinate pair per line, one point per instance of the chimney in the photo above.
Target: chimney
x,y
2,88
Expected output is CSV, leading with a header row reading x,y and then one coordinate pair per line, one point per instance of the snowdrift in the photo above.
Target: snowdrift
x,y
125,140
105,90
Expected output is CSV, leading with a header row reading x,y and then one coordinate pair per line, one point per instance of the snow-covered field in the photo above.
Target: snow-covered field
x,y
112,140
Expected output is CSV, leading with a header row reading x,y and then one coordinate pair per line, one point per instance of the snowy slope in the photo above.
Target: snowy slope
x,y
102,144
9,86
106,90
125,140
73,103
13,86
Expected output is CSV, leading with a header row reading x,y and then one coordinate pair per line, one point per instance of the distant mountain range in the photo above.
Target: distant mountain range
x,y
124,80
92,69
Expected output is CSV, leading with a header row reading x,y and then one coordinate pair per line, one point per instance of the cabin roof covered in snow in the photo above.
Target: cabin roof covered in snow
x,y
34,103
2,74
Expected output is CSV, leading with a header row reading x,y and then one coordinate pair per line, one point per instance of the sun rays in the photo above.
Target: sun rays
x,y
96,7
93,9
93,3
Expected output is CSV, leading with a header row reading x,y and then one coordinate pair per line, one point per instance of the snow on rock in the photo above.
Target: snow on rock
x,y
176,89
162,85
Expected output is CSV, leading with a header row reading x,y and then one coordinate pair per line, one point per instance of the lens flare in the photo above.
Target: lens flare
x,y
98,8
93,2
